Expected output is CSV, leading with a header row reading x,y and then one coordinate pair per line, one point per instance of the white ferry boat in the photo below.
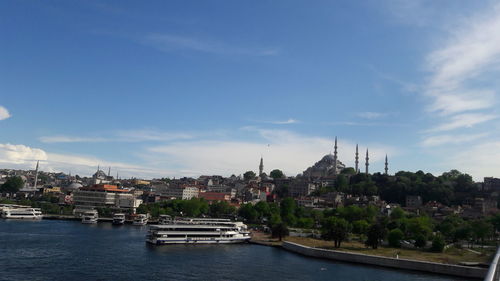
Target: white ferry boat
x,y
118,219
22,213
90,217
140,219
199,231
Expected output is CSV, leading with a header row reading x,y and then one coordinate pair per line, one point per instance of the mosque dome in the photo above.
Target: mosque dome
x,y
73,186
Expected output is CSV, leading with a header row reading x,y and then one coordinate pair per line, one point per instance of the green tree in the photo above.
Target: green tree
x,y
397,213
13,184
420,241
220,208
360,227
305,222
376,232
279,230
276,174
248,212
249,175
263,209
287,208
481,229
335,229
348,171
341,183
437,244
394,237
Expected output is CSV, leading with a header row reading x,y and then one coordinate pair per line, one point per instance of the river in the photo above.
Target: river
x,y
69,250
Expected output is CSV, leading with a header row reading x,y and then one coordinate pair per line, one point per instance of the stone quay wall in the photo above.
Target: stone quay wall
x,y
439,268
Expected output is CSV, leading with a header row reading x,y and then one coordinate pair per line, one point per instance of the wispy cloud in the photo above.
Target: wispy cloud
x,y
451,139
371,115
466,120
366,124
151,135
472,51
284,122
70,139
120,136
4,113
282,149
169,42
480,160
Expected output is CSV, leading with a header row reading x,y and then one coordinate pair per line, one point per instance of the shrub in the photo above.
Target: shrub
x,y
437,244
395,236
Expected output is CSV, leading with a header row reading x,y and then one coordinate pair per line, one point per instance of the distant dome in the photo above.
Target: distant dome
x,y
73,186
327,158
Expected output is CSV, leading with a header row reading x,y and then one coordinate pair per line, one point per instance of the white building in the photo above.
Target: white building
x,y
181,192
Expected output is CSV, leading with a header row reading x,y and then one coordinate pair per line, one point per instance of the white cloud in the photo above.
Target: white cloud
x,y
451,139
151,135
20,154
281,149
371,115
472,50
120,136
463,121
69,139
284,122
481,160
169,42
4,113
23,157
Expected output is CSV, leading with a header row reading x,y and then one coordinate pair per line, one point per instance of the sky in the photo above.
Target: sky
x,y
189,88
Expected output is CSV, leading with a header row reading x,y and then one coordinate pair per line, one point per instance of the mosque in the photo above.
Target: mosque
x,y
330,166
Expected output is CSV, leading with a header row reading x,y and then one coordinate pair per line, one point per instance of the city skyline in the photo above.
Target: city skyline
x,y
183,89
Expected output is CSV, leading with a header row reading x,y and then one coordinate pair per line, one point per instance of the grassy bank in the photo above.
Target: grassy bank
x,y
451,255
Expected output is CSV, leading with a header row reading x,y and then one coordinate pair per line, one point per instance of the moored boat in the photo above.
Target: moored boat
x,y
118,219
140,219
164,219
22,213
198,232
90,217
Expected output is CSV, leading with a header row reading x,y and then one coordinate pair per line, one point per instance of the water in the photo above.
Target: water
x,y
69,250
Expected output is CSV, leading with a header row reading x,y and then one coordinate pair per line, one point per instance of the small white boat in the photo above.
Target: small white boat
x,y
164,219
118,219
90,217
21,213
140,219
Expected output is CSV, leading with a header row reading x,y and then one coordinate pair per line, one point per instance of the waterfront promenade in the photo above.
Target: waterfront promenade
x,y
375,260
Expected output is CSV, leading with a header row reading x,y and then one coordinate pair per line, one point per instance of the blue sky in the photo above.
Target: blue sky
x,y
184,88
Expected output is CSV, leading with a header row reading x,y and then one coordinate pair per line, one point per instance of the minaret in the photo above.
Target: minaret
x,y
36,174
109,171
386,166
366,164
261,166
335,157
356,162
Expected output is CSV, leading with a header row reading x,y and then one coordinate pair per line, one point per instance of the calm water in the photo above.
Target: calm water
x,y
64,250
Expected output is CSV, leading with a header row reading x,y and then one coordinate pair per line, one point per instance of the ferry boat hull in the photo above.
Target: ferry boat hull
x,y
89,221
118,222
201,231
21,213
198,241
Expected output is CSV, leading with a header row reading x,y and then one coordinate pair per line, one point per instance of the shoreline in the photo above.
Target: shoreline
x,y
373,260
349,257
